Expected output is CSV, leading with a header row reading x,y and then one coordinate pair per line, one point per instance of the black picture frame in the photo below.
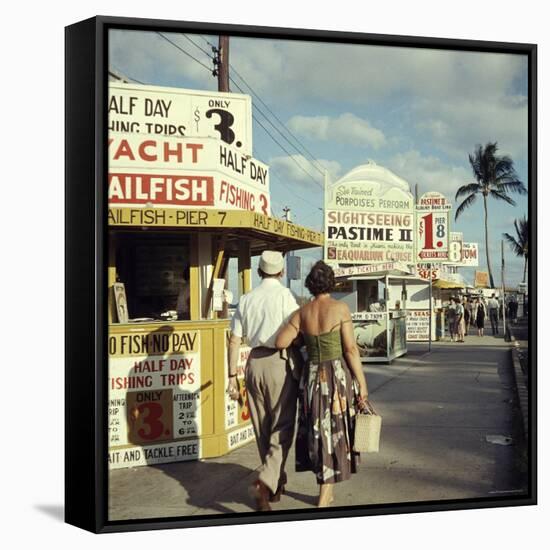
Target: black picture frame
x,y
86,290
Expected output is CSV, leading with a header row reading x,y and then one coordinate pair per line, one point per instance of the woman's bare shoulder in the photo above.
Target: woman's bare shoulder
x,y
341,307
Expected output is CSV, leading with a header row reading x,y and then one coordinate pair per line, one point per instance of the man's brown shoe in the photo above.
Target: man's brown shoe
x,y
260,492
276,497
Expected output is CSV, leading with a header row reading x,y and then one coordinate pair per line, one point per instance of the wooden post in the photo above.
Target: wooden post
x,y
245,272
194,280
111,278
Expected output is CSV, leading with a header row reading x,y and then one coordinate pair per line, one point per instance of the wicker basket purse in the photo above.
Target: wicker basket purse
x,y
368,425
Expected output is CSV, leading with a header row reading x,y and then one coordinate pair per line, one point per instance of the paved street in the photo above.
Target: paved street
x,y
437,410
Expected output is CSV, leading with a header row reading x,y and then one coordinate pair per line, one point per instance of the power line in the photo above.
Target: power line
x,y
123,75
282,146
208,54
254,106
278,177
208,42
300,148
288,153
279,131
185,52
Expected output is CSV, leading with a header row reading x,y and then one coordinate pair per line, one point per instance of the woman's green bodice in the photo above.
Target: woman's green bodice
x,y
324,347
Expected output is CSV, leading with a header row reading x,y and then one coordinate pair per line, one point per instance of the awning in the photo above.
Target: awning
x,y
442,284
260,230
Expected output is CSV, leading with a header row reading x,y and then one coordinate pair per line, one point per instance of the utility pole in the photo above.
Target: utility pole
x,y
503,289
431,311
223,64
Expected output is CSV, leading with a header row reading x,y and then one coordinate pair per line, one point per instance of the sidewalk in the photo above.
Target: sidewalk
x,y
437,410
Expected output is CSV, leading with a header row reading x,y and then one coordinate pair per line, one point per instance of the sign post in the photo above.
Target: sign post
x,y
433,212
431,310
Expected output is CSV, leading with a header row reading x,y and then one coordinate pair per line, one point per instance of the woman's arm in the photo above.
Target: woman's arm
x,y
289,332
351,353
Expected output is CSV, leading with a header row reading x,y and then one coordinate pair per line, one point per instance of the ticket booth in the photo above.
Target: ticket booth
x,y
378,302
169,314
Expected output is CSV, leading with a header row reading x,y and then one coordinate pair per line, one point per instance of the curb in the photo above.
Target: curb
x,y
522,391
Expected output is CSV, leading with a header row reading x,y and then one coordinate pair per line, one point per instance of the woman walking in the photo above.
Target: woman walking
x,y
451,318
332,388
467,315
480,314
460,327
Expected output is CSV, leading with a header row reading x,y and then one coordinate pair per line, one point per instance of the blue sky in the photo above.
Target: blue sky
x,y
418,112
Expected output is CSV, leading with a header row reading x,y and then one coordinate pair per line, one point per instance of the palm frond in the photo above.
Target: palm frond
x,y
501,195
509,185
467,190
522,231
504,166
466,203
475,162
517,249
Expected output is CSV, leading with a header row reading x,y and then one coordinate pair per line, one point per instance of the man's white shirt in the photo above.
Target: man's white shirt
x,y
262,312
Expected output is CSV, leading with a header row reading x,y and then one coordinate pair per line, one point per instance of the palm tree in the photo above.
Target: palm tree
x,y
520,245
495,177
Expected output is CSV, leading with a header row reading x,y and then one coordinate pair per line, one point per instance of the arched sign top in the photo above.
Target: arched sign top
x,y
372,173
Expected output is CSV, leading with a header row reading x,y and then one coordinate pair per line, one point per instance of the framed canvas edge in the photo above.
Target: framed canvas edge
x,y
96,518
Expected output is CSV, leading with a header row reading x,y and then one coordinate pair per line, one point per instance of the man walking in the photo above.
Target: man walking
x,y
271,388
492,308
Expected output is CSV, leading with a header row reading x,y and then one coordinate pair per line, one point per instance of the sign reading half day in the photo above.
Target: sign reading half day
x,y
154,396
369,218
177,112
432,227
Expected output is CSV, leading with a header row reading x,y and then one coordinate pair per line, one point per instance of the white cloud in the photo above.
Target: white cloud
x,y
346,128
455,127
297,169
148,57
455,99
363,73
429,172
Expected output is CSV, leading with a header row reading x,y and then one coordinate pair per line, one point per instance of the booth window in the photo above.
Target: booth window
x,y
156,276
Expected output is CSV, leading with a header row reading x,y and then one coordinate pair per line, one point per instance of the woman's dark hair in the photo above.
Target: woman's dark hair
x,y
320,279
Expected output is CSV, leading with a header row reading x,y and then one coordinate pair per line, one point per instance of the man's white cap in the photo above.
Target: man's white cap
x,y
271,262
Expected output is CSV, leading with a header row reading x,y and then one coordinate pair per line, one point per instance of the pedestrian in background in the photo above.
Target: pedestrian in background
x,y
480,314
513,308
451,318
467,314
460,326
270,384
492,309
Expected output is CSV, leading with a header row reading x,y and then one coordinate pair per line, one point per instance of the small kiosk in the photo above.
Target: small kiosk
x,y
181,207
377,297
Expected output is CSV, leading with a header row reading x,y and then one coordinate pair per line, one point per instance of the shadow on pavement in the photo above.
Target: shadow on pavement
x,y
212,485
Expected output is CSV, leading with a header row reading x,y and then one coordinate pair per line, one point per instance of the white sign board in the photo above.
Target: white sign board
x,y
357,270
432,227
369,218
470,255
154,397
455,248
177,112
418,325
189,172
